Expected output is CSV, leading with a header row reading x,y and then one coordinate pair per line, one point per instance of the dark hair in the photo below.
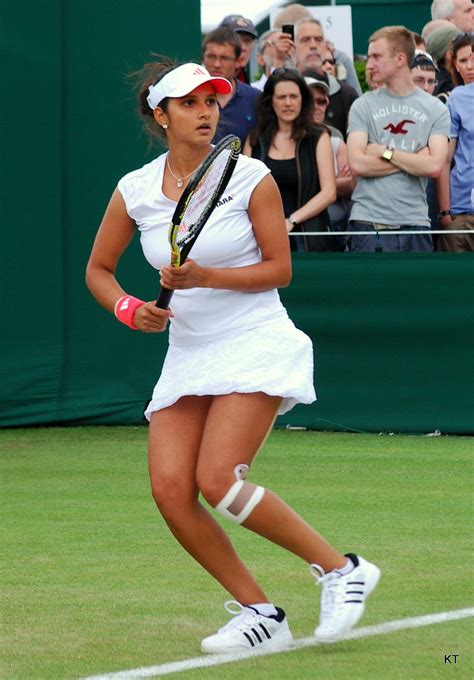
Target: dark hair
x,y
457,43
151,73
266,121
223,36
418,39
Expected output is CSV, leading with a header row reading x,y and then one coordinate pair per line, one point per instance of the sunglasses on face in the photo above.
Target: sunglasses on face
x,y
320,101
329,61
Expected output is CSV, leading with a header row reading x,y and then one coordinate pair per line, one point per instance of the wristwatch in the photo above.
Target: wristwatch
x,y
292,221
387,154
443,213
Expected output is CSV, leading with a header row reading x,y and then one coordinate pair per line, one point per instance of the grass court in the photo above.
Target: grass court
x,y
94,583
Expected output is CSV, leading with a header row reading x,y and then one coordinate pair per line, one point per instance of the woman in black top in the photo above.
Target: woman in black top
x,y
299,154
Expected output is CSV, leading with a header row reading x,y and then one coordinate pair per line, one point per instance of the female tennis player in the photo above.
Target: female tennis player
x,y
235,361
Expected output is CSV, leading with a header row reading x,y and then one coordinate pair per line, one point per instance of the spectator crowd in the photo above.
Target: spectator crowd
x,y
380,171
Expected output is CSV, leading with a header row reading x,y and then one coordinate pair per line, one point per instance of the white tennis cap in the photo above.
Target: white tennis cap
x,y
183,80
315,82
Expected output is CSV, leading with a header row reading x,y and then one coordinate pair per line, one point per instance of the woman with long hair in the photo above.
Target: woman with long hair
x,y
455,186
460,60
234,362
298,152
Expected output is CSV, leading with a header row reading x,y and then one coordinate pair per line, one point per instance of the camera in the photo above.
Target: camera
x,y
289,28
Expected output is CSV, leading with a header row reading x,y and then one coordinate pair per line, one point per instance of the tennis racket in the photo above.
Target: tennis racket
x,y
197,203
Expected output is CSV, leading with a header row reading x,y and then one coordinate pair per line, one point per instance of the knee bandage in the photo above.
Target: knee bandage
x,y
241,498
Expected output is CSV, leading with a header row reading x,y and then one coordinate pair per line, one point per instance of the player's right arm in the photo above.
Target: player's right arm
x,y
362,162
114,235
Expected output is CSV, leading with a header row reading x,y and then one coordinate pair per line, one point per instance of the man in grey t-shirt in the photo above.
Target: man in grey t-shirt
x,y
398,136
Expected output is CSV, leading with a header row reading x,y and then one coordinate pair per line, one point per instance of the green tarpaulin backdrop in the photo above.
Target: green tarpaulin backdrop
x,y
393,336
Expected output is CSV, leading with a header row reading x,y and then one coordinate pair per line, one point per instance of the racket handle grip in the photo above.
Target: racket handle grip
x,y
165,294
164,298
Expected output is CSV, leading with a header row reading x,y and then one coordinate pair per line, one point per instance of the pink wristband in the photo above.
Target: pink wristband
x,y
125,308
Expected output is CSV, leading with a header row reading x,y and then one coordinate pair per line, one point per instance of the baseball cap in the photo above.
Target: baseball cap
x,y
315,82
183,80
422,58
311,73
239,24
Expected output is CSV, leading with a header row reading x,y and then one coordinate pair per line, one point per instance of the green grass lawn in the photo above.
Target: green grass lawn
x,y
94,583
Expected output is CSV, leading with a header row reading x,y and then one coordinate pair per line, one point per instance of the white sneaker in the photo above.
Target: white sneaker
x,y
249,630
343,597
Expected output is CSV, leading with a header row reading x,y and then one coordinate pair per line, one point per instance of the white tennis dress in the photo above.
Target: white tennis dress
x,y
220,341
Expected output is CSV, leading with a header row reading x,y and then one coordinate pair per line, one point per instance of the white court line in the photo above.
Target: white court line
x,y
219,659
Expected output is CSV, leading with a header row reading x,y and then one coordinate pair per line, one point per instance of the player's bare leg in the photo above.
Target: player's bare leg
x,y
230,442
174,441
235,428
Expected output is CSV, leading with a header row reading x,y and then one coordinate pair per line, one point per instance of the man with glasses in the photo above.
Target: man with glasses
x,y
338,211
425,75
221,50
423,71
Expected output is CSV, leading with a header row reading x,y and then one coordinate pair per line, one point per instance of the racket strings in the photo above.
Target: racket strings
x,y
201,200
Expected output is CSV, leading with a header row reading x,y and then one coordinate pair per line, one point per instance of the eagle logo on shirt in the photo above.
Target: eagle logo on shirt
x,y
399,128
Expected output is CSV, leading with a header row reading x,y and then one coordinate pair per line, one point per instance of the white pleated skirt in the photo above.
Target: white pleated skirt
x,y
275,358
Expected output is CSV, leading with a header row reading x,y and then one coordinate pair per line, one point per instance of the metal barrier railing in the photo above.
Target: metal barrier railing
x,y
382,232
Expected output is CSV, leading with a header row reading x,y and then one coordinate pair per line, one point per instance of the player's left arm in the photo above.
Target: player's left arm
x,y
427,162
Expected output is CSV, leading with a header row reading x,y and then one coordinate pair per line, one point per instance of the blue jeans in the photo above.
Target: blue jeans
x,y
387,240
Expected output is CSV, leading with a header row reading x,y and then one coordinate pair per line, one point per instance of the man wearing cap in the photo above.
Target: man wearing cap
x,y
424,73
221,50
248,37
310,49
338,211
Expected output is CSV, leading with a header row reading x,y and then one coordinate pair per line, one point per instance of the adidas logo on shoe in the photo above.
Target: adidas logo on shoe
x,y
249,630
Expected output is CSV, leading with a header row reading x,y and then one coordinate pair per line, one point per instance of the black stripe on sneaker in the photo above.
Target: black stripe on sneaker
x,y
249,639
355,592
356,583
265,631
256,635
353,602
